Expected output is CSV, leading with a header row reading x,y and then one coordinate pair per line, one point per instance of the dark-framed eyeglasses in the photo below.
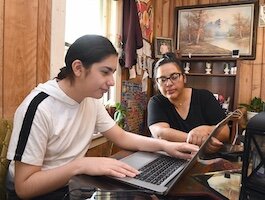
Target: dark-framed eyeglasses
x,y
173,78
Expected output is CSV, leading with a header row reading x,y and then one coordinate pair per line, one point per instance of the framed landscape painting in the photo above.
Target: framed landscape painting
x,y
217,29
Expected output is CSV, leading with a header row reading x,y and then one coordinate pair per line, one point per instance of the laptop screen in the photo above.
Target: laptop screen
x,y
202,152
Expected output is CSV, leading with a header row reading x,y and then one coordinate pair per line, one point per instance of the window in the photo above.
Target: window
x,y
85,17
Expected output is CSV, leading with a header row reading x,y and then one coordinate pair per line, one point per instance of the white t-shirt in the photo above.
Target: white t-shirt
x,y
62,129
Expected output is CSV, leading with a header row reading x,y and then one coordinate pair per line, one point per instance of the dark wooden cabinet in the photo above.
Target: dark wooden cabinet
x,y
217,81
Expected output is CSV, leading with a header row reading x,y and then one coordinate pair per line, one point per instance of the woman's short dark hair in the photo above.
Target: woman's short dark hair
x,y
89,49
168,58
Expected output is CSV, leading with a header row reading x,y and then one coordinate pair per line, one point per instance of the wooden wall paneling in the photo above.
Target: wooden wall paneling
x,y
256,81
187,2
20,44
201,2
236,91
165,18
259,46
43,40
171,19
178,3
257,65
192,2
223,1
213,1
1,54
262,84
262,90
204,2
245,81
158,16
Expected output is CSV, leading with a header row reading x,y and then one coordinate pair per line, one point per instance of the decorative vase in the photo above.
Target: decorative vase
x,y
226,69
187,68
208,68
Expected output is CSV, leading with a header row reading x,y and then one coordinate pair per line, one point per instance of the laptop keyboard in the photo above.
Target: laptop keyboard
x,y
159,170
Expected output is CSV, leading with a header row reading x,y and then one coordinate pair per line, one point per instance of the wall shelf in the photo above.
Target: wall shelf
x,y
227,58
218,82
213,75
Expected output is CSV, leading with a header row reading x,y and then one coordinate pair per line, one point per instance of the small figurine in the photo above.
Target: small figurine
x,y
187,68
208,68
226,68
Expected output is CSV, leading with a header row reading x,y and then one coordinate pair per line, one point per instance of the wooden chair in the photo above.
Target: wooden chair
x,y
5,133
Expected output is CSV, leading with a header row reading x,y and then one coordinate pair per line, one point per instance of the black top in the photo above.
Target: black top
x,y
204,110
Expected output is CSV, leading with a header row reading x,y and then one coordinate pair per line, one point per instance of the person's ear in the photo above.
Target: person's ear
x,y
185,78
77,67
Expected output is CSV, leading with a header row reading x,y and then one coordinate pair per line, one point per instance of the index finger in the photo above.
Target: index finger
x,y
189,148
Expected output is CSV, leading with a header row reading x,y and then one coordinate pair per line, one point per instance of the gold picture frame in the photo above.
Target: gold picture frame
x,y
216,29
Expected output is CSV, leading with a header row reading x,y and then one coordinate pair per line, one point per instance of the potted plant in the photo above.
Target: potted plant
x,y
120,114
256,105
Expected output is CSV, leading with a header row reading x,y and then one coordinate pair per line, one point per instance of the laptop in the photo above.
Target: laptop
x,y
162,182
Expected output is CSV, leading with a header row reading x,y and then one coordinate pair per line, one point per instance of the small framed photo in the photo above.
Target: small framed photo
x,y
235,53
162,46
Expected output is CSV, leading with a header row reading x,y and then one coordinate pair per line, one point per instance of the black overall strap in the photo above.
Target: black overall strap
x,y
27,122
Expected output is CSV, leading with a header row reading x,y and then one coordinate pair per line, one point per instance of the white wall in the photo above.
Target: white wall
x,y
57,36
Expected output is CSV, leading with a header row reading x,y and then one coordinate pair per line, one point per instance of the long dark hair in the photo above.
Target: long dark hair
x,y
89,49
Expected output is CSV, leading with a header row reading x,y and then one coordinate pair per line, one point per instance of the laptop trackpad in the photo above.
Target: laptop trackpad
x,y
140,159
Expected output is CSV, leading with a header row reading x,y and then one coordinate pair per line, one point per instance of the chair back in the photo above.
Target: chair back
x,y
5,134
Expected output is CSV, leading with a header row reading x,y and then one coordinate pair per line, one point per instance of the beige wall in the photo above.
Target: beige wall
x,y
57,36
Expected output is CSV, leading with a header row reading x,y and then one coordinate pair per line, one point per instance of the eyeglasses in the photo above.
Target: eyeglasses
x,y
173,78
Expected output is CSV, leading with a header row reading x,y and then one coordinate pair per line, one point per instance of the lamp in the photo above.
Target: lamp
x,y
253,168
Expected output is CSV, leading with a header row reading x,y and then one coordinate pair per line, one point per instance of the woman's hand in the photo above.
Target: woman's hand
x,y
199,134
181,150
106,166
214,145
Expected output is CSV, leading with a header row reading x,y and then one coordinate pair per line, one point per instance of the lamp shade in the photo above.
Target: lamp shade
x,y
253,167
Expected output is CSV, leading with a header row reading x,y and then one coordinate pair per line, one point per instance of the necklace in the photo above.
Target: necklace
x,y
181,100
177,105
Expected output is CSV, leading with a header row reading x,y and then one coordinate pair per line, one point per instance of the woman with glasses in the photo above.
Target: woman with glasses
x,y
179,113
